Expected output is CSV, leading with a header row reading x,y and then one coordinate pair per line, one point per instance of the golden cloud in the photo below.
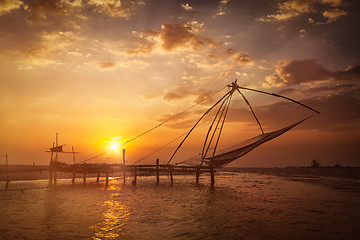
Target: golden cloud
x,y
7,6
185,36
187,7
333,14
221,7
293,8
116,8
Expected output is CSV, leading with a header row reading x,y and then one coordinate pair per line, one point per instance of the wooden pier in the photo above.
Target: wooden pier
x,y
134,170
106,170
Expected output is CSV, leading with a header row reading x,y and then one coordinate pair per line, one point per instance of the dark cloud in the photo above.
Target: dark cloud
x,y
335,89
241,58
107,65
181,35
294,72
338,112
184,92
351,73
39,9
7,6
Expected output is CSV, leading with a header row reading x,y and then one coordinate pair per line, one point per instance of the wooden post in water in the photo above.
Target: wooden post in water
x,y
51,166
107,179
135,175
7,173
84,173
212,175
97,178
157,171
197,174
124,171
171,174
73,178
84,177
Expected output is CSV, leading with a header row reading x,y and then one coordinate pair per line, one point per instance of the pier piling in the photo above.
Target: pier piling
x,y
135,175
97,178
73,178
157,171
197,174
171,175
107,179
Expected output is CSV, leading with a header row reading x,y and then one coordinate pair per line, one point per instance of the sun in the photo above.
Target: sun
x,y
115,143
114,147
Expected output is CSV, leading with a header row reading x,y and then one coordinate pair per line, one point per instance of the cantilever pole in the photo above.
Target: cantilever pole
x,y
280,96
210,128
221,117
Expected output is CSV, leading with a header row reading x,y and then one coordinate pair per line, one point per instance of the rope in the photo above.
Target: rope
x,y
172,117
159,125
158,149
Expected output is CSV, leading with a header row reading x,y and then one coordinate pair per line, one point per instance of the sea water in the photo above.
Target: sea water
x,y
296,203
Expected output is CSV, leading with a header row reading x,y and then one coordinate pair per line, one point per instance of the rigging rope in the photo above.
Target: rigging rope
x,y
228,93
158,149
172,117
159,125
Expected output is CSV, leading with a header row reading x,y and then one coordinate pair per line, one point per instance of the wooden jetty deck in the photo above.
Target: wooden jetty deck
x,y
135,171
106,170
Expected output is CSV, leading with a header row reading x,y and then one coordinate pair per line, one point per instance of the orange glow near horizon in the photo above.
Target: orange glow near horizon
x,y
94,73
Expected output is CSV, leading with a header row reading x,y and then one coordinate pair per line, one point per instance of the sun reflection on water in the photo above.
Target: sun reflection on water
x,y
115,216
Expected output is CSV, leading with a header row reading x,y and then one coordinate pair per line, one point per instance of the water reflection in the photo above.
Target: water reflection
x,y
115,215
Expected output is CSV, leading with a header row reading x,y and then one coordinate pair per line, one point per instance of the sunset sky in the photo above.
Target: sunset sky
x,y
100,72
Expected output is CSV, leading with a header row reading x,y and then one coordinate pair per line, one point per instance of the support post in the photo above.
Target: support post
x,y
84,168
135,175
107,179
97,178
197,174
124,171
171,174
157,171
73,178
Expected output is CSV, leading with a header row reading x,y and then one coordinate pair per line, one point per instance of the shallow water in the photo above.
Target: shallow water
x,y
250,204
